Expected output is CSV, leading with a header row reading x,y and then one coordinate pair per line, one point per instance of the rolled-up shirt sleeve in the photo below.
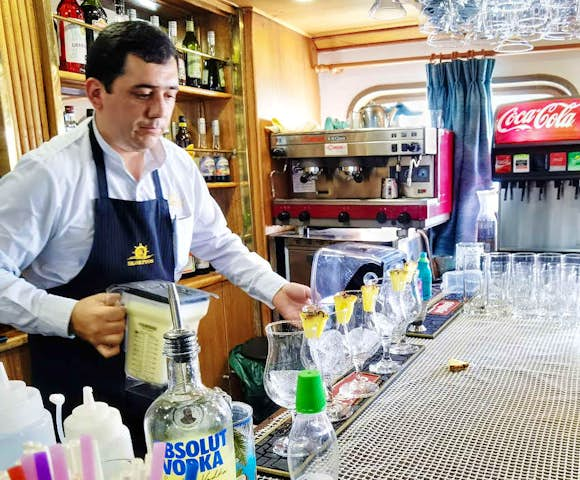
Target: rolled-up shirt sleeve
x,y
27,213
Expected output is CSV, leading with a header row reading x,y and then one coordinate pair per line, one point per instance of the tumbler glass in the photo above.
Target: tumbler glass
x,y
522,285
497,274
548,283
469,260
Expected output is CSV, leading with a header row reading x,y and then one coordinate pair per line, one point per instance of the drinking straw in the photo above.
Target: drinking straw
x,y
87,458
42,466
59,466
157,461
29,467
16,473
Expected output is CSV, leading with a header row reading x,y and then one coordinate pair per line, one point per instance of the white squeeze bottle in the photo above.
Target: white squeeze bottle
x,y
23,418
104,424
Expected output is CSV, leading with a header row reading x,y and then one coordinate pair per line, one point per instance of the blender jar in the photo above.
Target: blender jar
x,y
148,318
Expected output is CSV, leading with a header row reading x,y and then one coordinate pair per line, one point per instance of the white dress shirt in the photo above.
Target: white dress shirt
x,y
47,227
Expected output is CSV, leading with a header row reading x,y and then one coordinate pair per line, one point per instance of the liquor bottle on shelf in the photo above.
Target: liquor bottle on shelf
x,y
154,20
207,168
201,133
222,168
69,118
194,421
202,266
94,14
193,61
172,32
215,134
120,12
73,44
132,14
182,138
213,66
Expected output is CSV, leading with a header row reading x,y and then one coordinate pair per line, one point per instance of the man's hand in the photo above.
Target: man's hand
x,y
290,299
100,320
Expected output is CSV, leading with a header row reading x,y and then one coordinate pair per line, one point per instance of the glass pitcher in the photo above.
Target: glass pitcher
x,y
486,222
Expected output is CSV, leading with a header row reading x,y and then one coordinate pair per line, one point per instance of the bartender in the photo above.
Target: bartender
x,y
112,202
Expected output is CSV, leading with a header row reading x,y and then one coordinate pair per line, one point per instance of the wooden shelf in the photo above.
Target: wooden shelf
x,y
77,80
220,150
213,185
202,92
71,80
202,281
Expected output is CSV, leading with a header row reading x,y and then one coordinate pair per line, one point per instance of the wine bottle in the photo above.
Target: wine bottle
x,y
120,13
215,80
94,14
172,31
193,61
69,118
73,44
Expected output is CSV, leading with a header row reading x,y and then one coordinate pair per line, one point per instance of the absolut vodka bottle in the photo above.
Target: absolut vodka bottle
x,y
194,421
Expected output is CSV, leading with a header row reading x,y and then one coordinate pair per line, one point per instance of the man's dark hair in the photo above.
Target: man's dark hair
x,y
106,58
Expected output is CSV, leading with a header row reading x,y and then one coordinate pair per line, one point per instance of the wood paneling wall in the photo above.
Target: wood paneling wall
x,y
22,57
280,82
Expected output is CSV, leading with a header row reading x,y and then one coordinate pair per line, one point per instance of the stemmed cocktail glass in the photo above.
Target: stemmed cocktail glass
x,y
385,320
324,349
354,314
406,300
283,364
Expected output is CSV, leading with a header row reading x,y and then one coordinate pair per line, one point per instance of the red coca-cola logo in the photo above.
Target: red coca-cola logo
x,y
538,121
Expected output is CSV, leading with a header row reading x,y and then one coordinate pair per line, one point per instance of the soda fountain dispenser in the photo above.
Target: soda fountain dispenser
x,y
536,159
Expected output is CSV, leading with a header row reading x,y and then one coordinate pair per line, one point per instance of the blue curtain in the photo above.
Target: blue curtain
x,y
461,91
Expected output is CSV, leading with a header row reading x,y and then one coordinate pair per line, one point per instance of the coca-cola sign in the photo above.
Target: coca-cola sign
x,y
539,121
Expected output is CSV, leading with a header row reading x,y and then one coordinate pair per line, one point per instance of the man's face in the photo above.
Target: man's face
x,y
137,111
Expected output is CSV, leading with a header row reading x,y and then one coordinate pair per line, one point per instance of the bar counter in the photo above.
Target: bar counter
x,y
514,413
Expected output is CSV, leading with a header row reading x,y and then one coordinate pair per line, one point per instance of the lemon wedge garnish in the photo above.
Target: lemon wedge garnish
x,y
410,267
344,307
369,297
398,279
313,320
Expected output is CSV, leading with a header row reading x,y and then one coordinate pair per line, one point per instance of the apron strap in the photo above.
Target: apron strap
x,y
99,160
157,183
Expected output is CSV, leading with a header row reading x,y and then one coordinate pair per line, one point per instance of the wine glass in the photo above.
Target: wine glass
x,y
361,338
407,302
283,364
385,320
324,349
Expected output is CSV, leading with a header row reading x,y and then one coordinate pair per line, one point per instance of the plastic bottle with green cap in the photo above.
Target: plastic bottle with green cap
x,y
312,447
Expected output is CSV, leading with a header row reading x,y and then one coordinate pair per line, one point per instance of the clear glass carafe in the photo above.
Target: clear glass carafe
x,y
487,220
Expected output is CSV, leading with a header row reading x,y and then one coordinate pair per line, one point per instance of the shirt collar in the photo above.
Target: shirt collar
x,y
154,157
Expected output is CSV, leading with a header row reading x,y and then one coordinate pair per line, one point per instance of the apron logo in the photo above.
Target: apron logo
x,y
141,256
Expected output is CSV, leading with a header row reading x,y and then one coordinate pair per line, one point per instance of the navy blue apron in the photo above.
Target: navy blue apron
x,y
132,241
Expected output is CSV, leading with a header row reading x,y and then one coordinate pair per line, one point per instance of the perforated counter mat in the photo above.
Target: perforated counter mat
x,y
269,462
513,414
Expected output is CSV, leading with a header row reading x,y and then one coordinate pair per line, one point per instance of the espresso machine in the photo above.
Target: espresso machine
x,y
536,157
399,177
380,186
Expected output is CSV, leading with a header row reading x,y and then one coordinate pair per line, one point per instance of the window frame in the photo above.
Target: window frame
x,y
550,85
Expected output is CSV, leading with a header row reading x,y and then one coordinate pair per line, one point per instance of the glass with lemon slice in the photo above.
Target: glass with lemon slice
x,y
325,350
407,304
355,309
